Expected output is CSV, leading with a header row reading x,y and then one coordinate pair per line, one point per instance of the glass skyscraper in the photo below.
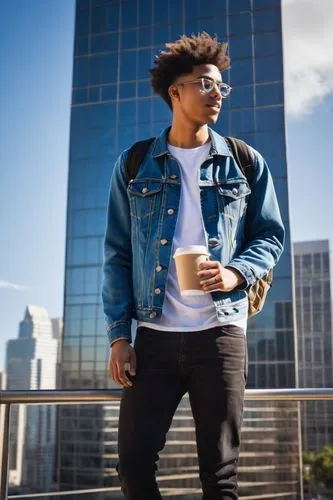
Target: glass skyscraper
x,y
112,107
314,338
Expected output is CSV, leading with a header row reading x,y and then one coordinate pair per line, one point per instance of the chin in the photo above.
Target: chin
x,y
212,119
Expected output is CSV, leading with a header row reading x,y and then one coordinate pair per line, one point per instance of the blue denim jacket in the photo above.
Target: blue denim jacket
x,y
243,229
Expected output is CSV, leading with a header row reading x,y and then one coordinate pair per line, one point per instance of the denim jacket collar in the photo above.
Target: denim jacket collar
x,y
219,145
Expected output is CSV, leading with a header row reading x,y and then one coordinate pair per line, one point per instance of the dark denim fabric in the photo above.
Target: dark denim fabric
x,y
211,366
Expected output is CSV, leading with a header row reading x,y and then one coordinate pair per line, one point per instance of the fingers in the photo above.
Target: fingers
x,y
120,363
132,367
209,264
216,287
113,372
121,376
209,274
213,281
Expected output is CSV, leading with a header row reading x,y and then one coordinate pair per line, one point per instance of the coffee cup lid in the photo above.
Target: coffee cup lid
x,y
198,249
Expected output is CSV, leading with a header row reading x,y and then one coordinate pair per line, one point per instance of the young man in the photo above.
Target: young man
x,y
189,190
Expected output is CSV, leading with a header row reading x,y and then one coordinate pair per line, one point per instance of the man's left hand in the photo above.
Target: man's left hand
x,y
216,278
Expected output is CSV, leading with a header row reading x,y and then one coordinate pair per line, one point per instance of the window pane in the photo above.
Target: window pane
x,y
105,18
128,39
266,20
269,94
161,111
80,71
268,44
242,72
161,32
160,11
80,96
128,15
144,89
214,24
94,94
128,65
145,12
270,119
109,93
240,23
81,46
241,97
240,47
144,63
145,36
268,69
127,90
239,5
242,121
127,113
104,43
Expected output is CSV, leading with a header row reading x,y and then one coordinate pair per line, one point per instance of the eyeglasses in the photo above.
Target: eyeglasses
x,y
207,85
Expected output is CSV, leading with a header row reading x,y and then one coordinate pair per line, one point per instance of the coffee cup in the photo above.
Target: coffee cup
x,y
187,260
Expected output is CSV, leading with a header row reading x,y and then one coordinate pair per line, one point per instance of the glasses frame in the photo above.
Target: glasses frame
x,y
215,83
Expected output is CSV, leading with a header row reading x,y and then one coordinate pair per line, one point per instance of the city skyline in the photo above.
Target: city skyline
x,y
32,267
31,363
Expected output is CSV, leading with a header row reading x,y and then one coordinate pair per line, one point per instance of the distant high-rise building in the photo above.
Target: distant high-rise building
x,y
2,408
31,364
113,106
57,333
57,327
315,338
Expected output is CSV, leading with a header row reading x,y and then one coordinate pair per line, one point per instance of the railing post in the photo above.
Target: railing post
x,y
4,447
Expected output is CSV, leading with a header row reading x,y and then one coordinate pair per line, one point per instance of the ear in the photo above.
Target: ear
x,y
173,92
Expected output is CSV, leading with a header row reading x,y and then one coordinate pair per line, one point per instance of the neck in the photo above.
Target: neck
x,y
188,137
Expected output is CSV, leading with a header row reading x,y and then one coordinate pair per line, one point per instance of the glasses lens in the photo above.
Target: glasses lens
x,y
207,85
225,89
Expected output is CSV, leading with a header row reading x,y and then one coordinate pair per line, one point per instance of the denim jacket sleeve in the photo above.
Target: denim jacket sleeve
x,y
117,293
264,228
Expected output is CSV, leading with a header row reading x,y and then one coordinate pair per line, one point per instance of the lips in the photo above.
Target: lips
x,y
216,106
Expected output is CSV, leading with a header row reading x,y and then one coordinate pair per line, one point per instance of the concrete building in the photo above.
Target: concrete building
x,y
315,337
31,364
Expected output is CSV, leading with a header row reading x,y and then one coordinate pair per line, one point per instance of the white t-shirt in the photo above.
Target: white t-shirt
x,y
198,312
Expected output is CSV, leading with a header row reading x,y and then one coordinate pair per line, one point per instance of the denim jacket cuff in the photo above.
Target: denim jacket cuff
x,y
118,330
246,272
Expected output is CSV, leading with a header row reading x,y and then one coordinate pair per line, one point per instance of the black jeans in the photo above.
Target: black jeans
x,y
211,366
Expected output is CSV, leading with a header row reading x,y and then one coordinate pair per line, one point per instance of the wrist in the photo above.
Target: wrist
x,y
120,340
239,277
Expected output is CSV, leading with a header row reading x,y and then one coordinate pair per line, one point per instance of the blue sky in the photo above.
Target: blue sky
x,y
36,40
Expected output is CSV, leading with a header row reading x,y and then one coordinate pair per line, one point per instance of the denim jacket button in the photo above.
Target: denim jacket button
x,y
153,315
157,291
234,191
164,242
173,177
158,269
145,190
171,211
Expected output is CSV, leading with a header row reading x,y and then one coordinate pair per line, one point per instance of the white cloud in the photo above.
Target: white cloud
x,y
13,286
308,54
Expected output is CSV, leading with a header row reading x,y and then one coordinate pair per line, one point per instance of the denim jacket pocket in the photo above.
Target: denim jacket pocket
x,y
144,197
233,198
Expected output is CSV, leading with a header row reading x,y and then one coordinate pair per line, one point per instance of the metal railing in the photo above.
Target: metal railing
x,y
67,397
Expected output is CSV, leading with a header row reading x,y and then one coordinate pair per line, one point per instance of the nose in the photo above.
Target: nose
x,y
216,91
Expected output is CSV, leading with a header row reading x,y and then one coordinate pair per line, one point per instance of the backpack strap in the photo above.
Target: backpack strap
x,y
136,155
243,156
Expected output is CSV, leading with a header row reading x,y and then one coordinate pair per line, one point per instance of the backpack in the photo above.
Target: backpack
x,y
242,154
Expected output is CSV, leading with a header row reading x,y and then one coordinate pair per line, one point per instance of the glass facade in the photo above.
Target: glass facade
x,y
315,338
112,107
